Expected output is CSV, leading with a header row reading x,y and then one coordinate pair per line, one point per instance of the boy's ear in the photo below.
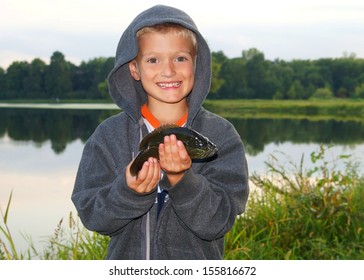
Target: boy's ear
x,y
134,71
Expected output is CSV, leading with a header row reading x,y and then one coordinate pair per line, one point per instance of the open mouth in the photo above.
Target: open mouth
x,y
169,85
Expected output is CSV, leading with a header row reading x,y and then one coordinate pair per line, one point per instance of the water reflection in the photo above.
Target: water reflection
x,y
59,126
62,127
257,133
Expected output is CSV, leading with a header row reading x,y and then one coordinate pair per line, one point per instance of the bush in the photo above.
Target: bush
x,y
359,91
322,93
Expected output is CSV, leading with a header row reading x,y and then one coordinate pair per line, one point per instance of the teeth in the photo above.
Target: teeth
x,y
168,85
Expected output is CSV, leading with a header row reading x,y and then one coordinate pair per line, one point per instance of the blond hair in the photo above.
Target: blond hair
x,y
178,30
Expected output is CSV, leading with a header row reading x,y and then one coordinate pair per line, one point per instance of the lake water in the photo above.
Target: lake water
x,y
40,149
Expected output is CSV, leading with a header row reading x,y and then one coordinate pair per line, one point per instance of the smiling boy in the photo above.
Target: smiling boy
x,y
174,208
165,66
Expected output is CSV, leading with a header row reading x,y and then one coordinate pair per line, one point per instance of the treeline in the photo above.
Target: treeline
x,y
250,76
60,79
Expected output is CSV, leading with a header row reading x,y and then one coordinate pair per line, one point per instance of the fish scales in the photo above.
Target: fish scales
x,y
197,145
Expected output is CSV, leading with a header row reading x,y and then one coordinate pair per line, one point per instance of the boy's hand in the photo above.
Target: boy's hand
x,y
147,178
173,158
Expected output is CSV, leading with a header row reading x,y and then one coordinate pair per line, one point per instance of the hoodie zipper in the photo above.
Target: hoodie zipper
x,y
147,222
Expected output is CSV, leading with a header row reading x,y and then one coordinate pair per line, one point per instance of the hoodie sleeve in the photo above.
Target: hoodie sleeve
x,y
211,195
101,196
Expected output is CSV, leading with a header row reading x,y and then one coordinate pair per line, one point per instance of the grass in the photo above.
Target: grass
x,y
70,241
293,214
340,109
74,242
302,215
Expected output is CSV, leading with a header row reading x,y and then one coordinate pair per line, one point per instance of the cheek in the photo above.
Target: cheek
x,y
189,72
149,72
192,77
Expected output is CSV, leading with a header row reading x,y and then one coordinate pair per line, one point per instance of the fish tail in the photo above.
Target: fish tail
x,y
136,165
142,157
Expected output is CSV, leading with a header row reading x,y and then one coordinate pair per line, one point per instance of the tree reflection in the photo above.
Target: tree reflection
x,y
256,133
58,126
64,126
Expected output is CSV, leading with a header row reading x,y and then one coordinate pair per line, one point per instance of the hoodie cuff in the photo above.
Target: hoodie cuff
x,y
126,195
186,190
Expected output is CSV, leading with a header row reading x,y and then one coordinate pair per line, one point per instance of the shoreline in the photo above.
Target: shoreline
x,y
91,106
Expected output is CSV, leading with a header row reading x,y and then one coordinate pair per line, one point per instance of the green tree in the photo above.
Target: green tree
x,y
15,81
2,82
216,81
34,82
233,72
324,66
58,82
342,92
257,74
104,90
295,91
347,73
283,75
219,57
87,77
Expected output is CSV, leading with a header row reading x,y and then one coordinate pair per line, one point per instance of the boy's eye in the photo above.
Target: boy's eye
x,y
181,59
152,60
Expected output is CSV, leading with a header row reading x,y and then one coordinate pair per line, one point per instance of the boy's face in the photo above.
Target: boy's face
x,y
165,66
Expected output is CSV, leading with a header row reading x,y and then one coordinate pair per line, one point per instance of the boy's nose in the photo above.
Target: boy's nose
x,y
168,69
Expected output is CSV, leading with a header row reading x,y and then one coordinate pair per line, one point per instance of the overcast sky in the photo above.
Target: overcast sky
x,y
85,29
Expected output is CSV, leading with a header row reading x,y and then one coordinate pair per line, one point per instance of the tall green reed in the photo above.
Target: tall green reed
x,y
302,214
7,249
70,241
74,241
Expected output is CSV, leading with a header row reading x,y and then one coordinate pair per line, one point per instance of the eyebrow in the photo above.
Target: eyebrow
x,y
156,53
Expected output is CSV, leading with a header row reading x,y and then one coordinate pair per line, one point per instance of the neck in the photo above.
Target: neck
x,y
168,113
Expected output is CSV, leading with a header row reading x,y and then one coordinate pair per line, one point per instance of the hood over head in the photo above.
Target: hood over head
x,y
129,94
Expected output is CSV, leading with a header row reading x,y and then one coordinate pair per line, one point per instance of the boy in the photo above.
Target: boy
x,y
174,208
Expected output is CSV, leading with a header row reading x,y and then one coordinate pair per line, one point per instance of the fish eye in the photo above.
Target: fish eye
x,y
200,144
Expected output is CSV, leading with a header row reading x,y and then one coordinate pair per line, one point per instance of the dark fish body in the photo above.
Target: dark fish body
x,y
197,145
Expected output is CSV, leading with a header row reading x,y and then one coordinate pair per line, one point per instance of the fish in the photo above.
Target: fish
x,y
198,146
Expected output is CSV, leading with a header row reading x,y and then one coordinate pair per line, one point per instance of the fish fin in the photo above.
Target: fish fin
x,y
144,143
166,126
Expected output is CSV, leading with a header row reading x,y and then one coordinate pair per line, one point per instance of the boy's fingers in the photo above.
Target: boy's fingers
x,y
147,178
184,156
173,156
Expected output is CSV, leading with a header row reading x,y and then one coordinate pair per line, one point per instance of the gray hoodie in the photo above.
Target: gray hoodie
x,y
202,206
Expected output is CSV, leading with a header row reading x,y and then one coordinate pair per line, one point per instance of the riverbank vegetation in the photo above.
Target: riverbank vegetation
x,y
249,76
313,109
299,214
292,214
